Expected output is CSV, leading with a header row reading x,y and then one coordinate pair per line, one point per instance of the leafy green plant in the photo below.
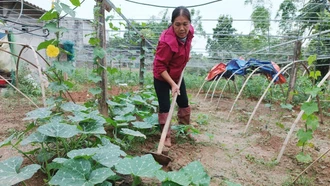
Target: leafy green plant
x,y
58,131
229,183
304,180
57,70
202,119
253,159
306,134
70,142
184,130
27,83
191,174
133,115
287,106
68,138
144,166
89,166
79,172
11,173
311,120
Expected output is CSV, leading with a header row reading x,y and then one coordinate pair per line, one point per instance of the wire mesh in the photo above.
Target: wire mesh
x,y
271,44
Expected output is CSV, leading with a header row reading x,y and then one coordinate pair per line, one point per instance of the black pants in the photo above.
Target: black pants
x,y
163,94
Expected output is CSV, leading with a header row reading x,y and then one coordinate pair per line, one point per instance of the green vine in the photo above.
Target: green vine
x,y
305,135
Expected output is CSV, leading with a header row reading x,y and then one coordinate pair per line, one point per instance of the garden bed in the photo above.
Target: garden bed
x,y
228,155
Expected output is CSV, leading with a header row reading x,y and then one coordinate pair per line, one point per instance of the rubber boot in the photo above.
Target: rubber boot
x,y
184,119
162,120
184,116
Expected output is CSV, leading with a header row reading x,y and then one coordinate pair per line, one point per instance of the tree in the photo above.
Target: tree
x,y
154,27
321,45
287,12
261,19
312,12
223,42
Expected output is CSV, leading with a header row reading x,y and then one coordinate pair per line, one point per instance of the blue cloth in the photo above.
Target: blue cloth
x,y
266,67
236,66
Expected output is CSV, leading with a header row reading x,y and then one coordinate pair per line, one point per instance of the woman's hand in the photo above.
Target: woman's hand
x,y
175,89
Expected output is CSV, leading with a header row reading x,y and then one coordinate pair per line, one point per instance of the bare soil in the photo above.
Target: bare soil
x,y
224,150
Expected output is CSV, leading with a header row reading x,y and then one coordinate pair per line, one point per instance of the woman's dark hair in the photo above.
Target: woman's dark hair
x,y
180,11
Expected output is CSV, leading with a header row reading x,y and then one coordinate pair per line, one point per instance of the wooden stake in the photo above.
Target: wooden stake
x,y
103,106
293,75
142,62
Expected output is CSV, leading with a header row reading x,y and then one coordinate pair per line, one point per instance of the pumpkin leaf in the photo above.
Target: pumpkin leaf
x,y
137,99
39,113
196,173
91,128
144,166
133,133
94,77
142,125
122,119
105,183
95,91
35,137
11,174
109,155
7,141
60,130
70,107
152,120
178,177
77,172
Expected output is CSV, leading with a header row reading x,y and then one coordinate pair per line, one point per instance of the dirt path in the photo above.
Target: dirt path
x,y
228,154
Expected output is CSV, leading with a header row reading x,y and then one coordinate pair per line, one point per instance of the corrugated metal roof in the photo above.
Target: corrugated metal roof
x,y
35,6
10,7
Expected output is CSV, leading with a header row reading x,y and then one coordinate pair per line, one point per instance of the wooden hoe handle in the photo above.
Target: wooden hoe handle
x,y
168,119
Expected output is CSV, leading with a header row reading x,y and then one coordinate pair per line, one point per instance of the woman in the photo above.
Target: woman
x,y
171,57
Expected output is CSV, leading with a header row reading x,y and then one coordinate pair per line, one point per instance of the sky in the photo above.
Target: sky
x,y
235,8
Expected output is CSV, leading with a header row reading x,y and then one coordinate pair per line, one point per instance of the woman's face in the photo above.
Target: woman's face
x,y
181,26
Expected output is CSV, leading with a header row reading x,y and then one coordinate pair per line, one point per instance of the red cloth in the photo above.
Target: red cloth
x,y
216,70
281,78
172,55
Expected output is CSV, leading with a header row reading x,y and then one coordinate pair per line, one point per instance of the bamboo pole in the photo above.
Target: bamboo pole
x,y
265,92
310,165
42,82
242,88
19,91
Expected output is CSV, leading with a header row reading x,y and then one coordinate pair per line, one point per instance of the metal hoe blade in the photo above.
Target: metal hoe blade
x,y
161,158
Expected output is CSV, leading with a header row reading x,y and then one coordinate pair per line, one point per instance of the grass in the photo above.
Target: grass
x,y
302,181
269,164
